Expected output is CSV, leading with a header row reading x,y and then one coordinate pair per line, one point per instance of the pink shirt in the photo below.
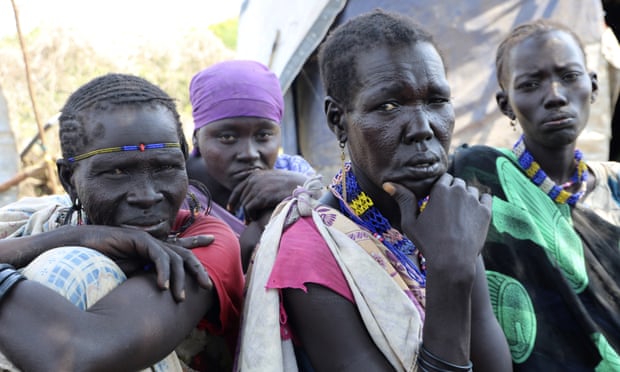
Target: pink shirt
x,y
304,257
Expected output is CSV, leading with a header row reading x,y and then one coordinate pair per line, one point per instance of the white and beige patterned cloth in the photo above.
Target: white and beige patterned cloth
x,y
32,215
603,199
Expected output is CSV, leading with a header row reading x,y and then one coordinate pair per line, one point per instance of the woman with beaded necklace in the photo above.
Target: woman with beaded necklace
x,y
384,273
552,249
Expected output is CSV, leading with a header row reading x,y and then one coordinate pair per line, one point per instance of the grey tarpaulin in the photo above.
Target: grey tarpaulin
x,y
9,158
280,32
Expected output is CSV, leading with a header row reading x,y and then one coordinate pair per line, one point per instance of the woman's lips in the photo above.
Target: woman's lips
x,y
418,171
149,228
558,120
243,174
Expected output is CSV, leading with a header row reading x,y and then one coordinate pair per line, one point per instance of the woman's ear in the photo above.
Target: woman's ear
x,y
504,104
65,175
195,146
335,118
594,80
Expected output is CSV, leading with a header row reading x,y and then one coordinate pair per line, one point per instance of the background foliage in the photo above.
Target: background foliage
x,y
61,61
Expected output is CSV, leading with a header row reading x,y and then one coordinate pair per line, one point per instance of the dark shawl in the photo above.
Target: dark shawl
x,y
553,271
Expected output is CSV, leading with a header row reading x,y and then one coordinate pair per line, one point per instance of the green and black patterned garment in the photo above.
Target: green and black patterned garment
x,y
553,271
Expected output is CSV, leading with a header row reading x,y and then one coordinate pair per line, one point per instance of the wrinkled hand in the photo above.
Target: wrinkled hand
x,y
453,227
263,190
131,249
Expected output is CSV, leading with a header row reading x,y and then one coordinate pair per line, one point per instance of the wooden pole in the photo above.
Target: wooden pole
x,y
49,162
22,175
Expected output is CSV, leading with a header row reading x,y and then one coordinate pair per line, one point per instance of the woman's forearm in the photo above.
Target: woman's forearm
x,y
19,252
447,324
125,330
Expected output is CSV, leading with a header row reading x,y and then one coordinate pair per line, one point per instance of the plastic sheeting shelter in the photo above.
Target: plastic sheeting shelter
x,y
9,158
284,34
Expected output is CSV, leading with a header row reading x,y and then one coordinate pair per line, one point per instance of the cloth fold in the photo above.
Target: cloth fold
x,y
396,329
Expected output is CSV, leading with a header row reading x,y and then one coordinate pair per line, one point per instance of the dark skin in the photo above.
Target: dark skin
x,y
131,199
549,90
238,155
402,107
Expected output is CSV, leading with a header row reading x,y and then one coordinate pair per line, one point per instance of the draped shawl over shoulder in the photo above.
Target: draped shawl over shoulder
x,y
552,270
396,329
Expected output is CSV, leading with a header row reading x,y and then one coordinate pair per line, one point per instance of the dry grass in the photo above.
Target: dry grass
x,y
60,62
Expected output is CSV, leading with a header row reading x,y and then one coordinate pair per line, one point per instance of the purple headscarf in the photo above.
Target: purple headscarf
x,y
235,88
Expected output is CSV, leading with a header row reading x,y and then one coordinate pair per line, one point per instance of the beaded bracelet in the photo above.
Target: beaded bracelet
x,y
428,362
8,278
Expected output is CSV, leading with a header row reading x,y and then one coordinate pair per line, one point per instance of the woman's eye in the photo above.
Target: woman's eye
x,y
167,167
572,76
438,100
264,135
113,172
388,106
528,85
227,138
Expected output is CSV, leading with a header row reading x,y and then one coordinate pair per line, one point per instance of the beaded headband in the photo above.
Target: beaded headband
x,y
141,147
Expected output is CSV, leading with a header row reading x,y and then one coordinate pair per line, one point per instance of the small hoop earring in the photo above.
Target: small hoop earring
x,y
343,178
77,207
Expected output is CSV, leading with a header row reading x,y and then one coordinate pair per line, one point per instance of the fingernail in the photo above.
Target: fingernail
x,y
183,294
167,284
389,188
229,207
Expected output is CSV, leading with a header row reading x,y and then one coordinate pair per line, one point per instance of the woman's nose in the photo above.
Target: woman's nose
x,y
144,192
418,127
555,95
248,150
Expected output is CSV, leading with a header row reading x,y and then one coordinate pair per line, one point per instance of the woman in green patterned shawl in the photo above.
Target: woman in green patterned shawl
x,y
551,254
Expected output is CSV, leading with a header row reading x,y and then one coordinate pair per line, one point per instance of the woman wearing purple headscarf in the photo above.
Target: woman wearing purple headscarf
x,y
237,106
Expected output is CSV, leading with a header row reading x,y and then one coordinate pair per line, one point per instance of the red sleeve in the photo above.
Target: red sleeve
x,y
222,260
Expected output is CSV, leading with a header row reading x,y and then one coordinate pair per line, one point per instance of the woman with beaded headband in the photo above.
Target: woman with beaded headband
x,y
552,249
122,292
384,273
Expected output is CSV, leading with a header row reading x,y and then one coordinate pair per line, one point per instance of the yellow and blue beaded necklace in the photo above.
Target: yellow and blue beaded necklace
x,y
361,209
557,193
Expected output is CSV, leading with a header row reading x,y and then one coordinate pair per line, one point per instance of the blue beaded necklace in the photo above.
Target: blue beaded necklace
x,y
557,193
361,209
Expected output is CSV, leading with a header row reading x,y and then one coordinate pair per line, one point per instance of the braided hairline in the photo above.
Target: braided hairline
x,y
104,93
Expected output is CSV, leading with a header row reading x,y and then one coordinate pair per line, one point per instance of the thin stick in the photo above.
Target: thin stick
x,y
51,170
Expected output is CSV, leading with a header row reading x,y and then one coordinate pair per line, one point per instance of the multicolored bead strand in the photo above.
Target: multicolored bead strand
x,y
362,210
141,147
539,177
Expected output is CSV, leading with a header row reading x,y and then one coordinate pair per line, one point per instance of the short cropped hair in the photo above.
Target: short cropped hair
x,y
337,55
525,31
